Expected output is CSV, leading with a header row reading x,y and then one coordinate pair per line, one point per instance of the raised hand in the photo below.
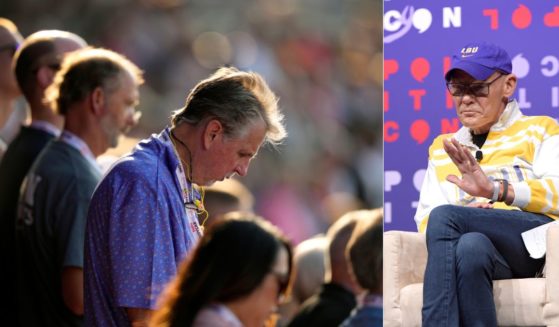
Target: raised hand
x,y
473,181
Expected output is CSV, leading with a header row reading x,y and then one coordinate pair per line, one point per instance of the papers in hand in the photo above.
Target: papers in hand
x,y
535,240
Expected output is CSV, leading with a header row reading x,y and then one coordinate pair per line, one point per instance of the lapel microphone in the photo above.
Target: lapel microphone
x,y
479,155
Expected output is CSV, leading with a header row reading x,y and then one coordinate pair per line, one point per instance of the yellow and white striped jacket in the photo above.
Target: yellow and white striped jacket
x,y
521,149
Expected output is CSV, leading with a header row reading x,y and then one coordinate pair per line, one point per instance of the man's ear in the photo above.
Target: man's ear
x,y
97,101
509,85
45,76
212,132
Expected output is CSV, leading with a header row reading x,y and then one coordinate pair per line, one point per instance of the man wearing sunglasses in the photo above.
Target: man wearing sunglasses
x,y
34,64
508,165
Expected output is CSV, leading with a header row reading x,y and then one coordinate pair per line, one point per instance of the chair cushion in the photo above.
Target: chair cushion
x,y
519,302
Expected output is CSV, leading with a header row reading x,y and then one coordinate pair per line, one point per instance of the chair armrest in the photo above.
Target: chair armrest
x,y
551,308
405,257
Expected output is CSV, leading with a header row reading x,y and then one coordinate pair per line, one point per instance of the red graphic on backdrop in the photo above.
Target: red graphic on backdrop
x,y
419,130
449,126
552,19
420,68
385,102
417,95
446,64
493,18
390,67
391,131
448,97
521,17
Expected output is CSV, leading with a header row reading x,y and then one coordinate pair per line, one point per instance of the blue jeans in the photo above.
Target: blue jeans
x,y
469,248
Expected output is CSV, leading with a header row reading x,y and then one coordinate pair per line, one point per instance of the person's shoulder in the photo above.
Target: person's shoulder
x,y
549,123
129,170
31,136
125,177
27,144
53,159
209,317
543,119
64,165
144,158
141,166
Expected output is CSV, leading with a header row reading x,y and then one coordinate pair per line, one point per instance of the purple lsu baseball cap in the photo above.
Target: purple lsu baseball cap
x,y
480,60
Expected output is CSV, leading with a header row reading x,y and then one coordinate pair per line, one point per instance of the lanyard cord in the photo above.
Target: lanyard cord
x,y
199,204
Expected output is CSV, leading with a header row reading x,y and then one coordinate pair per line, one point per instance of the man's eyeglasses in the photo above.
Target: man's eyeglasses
x,y
54,66
9,47
477,89
52,61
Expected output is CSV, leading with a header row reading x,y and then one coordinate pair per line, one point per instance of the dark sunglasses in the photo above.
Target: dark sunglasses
x,y
54,66
477,89
283,283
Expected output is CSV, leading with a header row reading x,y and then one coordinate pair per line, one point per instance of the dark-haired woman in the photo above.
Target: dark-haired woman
x,y
234,278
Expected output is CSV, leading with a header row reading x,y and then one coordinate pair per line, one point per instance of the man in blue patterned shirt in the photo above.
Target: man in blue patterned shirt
x,y
142,220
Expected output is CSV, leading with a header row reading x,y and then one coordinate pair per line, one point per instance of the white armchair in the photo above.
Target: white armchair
x,y
519,302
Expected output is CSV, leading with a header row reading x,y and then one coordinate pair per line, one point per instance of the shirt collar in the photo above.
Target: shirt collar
x,y
76,142
45,126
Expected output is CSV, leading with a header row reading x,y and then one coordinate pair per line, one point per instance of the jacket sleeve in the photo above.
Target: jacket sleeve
x,y
540,193
431,194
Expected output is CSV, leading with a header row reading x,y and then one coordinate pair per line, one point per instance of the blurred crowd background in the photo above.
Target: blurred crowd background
x,y
323,58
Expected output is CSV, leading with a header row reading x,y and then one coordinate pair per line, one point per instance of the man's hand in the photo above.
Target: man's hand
x,y
473,181
72,289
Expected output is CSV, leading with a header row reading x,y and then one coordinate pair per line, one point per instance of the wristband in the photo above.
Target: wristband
x,y
496,188
503,197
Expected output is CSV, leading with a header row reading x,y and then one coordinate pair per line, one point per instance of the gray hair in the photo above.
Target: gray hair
x,y
237,99
84,70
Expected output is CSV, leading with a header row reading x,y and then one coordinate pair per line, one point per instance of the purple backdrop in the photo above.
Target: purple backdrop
x,y
419,38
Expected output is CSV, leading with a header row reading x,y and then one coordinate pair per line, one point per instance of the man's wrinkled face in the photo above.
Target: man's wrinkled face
x,y
230,156
479,104
120,113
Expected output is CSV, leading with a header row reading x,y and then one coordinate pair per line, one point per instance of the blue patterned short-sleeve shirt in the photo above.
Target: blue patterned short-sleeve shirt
x,y
138,231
